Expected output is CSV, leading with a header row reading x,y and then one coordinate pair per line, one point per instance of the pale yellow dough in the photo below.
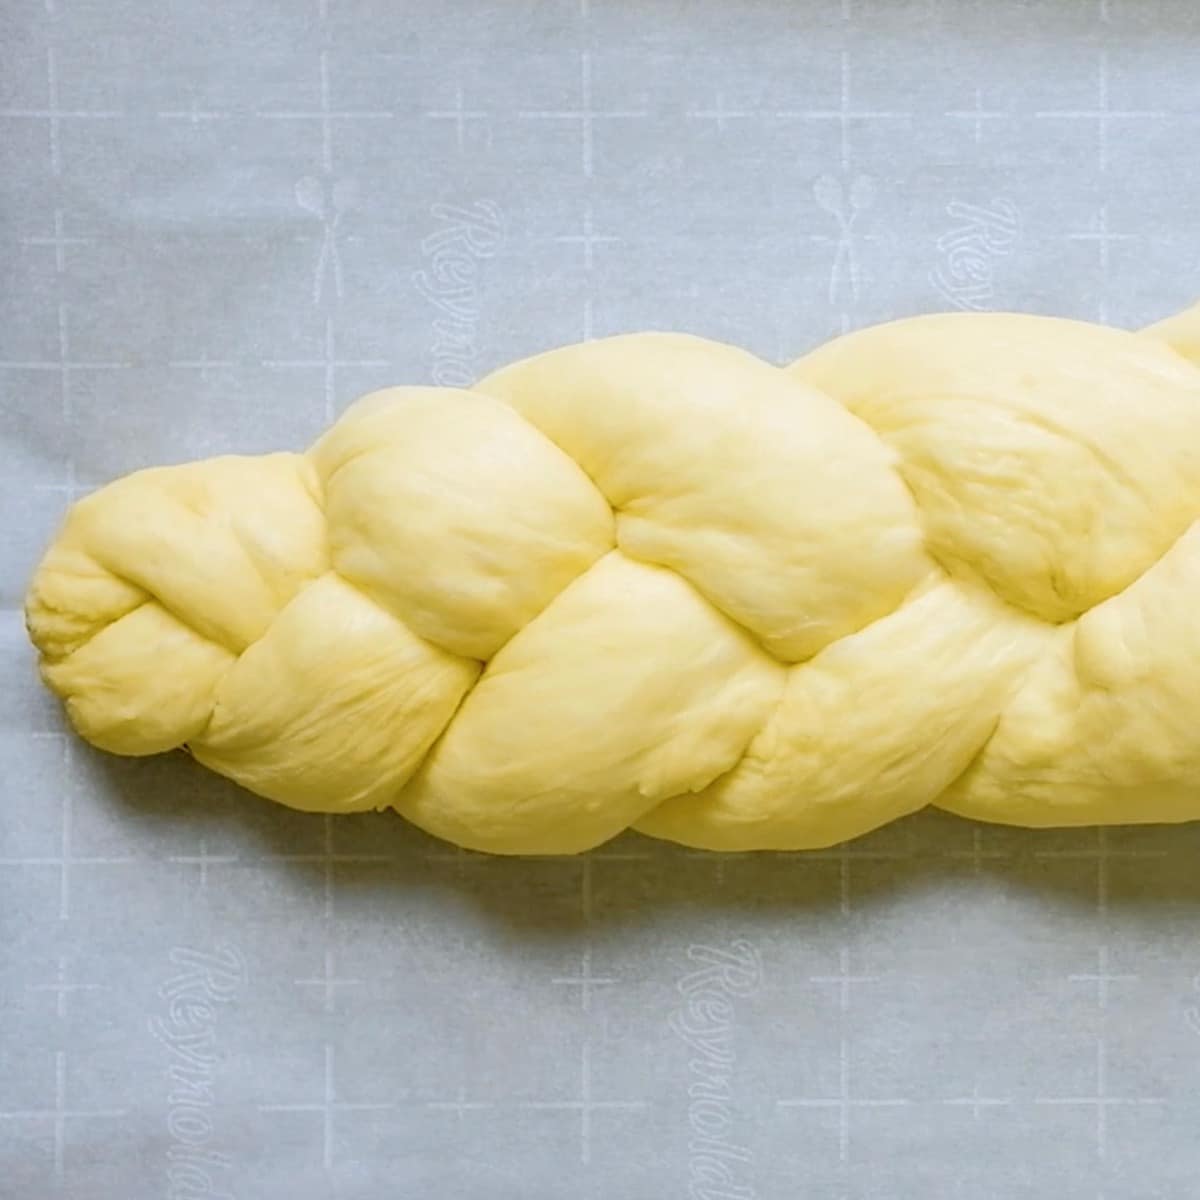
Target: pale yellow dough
x,y
655,581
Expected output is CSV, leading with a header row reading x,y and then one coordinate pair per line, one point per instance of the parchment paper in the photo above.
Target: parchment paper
x,y
223,222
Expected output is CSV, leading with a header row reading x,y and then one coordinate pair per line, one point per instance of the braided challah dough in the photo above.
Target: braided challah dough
x,y
654,581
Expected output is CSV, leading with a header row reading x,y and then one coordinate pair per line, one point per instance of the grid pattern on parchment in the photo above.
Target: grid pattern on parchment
x,y
221,223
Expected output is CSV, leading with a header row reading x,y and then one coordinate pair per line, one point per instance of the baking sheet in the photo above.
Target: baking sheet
x,y
221,224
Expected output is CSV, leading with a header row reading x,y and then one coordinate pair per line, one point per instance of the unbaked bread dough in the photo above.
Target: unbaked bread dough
x,y
655,581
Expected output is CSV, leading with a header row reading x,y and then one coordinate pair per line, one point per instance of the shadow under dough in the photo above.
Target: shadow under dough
x,y
171,805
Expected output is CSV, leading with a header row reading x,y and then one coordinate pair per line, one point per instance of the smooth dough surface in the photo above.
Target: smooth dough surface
x,y
655,581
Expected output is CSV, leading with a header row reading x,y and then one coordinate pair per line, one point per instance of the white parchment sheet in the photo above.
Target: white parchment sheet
x,y
222,222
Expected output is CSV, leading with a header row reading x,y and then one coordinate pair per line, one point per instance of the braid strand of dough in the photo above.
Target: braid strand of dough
x,y
654,581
